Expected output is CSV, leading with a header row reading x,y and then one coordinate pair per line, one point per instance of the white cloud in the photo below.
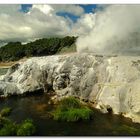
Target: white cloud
x,y
39,22
42,21
84,24
9,9
70,8
46,9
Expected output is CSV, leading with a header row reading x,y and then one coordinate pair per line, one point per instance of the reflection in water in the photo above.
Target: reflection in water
x,y
37,108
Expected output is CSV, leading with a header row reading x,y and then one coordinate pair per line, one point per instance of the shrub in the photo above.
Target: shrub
x,y
11,128
5,111
70,109
8,128
27,128
3,121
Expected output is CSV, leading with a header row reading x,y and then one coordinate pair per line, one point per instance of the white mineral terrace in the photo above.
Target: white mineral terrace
x,y
106,81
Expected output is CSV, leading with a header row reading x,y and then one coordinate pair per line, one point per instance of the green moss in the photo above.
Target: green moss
x,y
5,111
70,109
27,128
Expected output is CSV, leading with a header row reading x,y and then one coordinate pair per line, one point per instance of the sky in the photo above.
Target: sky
x,y
87,9
29,22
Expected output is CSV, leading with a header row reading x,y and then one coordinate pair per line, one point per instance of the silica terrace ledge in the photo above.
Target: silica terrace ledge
x,y
108,82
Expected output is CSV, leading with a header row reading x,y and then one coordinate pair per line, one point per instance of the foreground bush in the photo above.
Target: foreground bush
x,y
7,127
11,128
70,109
27,128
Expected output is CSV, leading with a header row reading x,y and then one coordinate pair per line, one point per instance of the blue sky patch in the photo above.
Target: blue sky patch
x,y
88,7
25,7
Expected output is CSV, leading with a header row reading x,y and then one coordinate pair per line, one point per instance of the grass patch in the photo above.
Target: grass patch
x,y
71,110
73,115
68,103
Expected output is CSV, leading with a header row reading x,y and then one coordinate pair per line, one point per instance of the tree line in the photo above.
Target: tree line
x,y
42,47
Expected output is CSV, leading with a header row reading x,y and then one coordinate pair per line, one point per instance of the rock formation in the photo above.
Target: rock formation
x,y
108,82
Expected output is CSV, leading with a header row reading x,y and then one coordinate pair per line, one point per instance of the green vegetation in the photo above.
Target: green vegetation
x,y
5,111
7,127
48,46
11,128
70,49
71,110
126,130
26,128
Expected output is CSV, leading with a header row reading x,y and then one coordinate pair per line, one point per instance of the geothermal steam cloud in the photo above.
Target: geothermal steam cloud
x,y
116,31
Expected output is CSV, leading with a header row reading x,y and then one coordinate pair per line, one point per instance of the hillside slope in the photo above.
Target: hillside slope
x,y
14,51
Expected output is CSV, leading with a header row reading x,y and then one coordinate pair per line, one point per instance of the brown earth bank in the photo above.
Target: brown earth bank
x,y
10,63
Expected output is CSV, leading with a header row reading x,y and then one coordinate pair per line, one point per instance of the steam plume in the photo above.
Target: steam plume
x,y
116,31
